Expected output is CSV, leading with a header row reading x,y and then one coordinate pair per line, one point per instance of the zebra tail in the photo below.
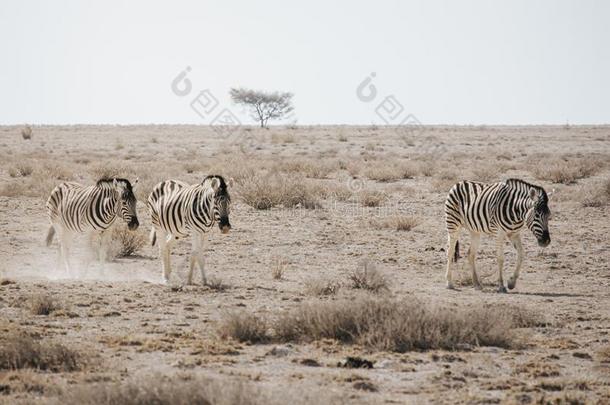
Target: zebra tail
x,y
456,253
153,237
50,235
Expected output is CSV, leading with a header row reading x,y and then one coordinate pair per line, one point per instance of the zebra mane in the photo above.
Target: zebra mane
x,y
222,190
110,180
544,198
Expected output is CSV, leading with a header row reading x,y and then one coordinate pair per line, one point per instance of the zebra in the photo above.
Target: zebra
x,y
73,208
499,209
178,209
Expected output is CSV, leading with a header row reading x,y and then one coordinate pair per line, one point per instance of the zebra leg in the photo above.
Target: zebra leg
x,y
65,241
193,259
165,241
516,240
453,240
475,239
200,257
500,256
103,247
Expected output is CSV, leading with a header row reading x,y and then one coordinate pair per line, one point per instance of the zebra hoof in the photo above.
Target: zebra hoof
x,y
450,286
511,284
478,287
502,290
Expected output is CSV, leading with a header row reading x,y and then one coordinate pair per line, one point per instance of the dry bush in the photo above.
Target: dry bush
x,y
43,304
368,277
278,267
266,191
188,389
400,326
370,198
603,354
21,169
322,286
397,222
19,351
566,171
26,132
282,138
243,327
485,173
342,138
44,178
124,242
596,195
315,169
386,171
443,181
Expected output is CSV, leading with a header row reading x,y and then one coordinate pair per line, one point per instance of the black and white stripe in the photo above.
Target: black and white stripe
x,y
499,209
73,208
178,209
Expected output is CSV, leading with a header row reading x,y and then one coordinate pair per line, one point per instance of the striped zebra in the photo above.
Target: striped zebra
x,y
498,209
73,208
178,209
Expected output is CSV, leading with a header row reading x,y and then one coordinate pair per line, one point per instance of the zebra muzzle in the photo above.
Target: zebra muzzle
x,y
133,224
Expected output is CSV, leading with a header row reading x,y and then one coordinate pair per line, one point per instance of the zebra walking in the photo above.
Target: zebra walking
x,y
498,209
73,208
178,209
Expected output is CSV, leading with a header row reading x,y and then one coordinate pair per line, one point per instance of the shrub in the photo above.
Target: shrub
x,y
18,351
266,191
26,132
278,266
565,171
390,325
367,277
43,305
124,242
243,327
216,284
597,195
21,170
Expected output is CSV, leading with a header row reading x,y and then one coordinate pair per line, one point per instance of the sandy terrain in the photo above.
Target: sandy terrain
x,y
126,323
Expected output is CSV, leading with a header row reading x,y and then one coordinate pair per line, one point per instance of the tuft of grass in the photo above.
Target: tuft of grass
x,y
368,277
372,198
398,222
43,304
243,327
21,169
216,284
26,132
399,326
321,287
597,195
20,351
124,242
278,267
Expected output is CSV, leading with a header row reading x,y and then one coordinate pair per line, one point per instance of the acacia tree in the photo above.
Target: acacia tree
x,y
263,106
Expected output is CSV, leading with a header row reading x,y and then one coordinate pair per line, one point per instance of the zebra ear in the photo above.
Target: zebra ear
x,y
114,183
230,182
215,184
549,194
135,184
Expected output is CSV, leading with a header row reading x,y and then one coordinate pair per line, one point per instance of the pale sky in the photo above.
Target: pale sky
x,y
446,62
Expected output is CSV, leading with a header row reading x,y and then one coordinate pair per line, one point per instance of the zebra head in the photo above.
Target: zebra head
x,y
128,201
538,216
222,201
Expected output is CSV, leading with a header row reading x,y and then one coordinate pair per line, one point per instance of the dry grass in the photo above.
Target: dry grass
x,y
596,195
321,287
386,171
397,222
400,326
21,169
243,327
566,171
371,199
267,191
368,277
187,389
124,242
278,267
216,284
44,177
26,132
43,304
19,351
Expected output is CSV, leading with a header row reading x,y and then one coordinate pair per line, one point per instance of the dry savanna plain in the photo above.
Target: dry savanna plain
x,y
330,286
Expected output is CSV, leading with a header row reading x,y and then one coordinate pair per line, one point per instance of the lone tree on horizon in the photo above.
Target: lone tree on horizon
x,y
263,105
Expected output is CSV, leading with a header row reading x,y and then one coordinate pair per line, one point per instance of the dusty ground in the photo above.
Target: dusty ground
x,y
127,323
